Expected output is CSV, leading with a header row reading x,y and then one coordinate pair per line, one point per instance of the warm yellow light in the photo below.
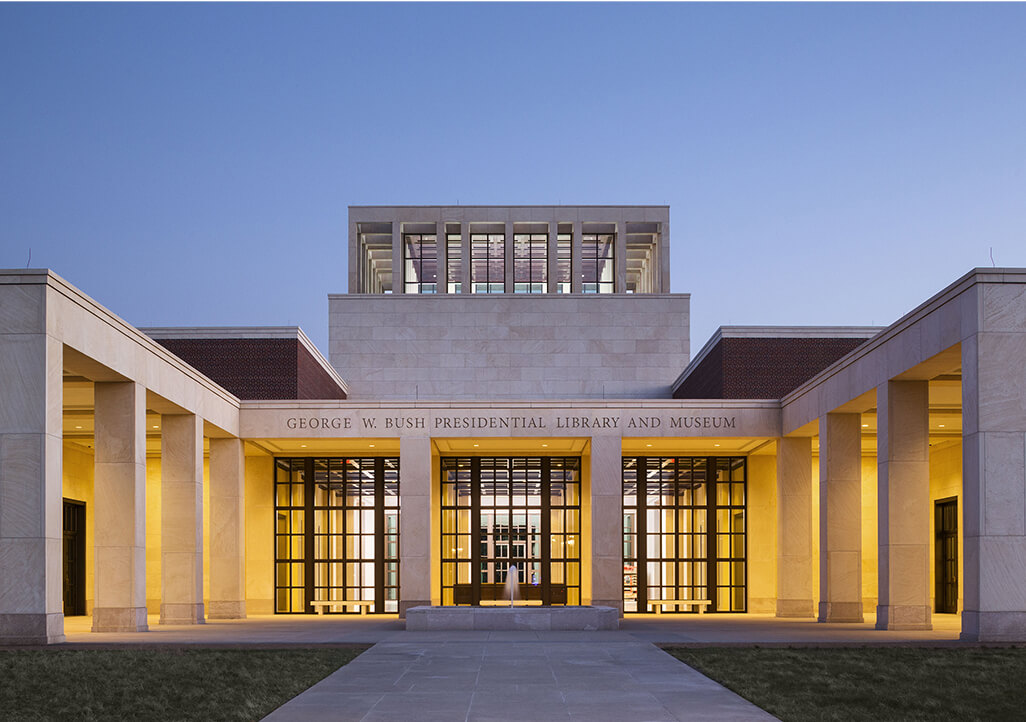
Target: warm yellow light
x,y
545,446
78,427
648,444
155,426
941,425
715,444
302,446
475,445
865,426
371,445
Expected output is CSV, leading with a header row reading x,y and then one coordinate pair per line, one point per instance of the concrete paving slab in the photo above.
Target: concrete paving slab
x,y
523,678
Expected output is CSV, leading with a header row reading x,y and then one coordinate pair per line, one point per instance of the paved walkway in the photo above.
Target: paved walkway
x,y
518,676
521,676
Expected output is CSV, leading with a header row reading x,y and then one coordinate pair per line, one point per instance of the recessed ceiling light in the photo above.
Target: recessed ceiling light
x,y
648,444
156,426
545,446
941,425
371,445
865,426
715,444
302,446
475,445
78,427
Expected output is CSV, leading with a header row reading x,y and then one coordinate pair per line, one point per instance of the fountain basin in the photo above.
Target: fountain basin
x,y
518,618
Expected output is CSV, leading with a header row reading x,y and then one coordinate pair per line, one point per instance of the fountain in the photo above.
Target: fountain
x,y
512,613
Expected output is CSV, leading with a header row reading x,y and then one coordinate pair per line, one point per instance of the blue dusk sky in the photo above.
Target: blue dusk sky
x,y
824,164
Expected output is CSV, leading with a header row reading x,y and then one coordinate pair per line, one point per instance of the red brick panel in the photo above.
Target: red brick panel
x,y
762,368
251,368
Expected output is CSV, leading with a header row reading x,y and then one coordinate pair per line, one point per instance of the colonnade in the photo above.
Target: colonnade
x,y
120,516
903,494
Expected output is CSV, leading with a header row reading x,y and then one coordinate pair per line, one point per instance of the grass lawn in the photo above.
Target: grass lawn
x,y
159,684
872,683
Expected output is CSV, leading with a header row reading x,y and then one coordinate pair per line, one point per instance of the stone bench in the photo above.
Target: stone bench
x,y
507,603
678,603
320,604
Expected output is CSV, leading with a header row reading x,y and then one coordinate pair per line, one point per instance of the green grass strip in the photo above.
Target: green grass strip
x,y
873,683
159,684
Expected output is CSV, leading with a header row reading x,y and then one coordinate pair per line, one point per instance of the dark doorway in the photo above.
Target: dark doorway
x,y
946,543
74,558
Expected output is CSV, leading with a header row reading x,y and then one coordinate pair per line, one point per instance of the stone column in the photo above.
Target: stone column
x,y
31,533
576,258
994,467
120,508
442,283
465,248
227,530
620,258
664,257
840,518
606,485
415,512
357,261
508,249
903,483
794,527
552,256
181,519
398,259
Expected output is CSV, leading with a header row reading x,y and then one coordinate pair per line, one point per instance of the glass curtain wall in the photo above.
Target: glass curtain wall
x,y
530,263
684,533
420,253
597,262
501,511
487,263
336,532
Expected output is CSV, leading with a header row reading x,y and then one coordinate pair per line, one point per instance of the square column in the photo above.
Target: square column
x,y
577,258
903,479
620,258
398,259
552,257
794,527
415,515
31,534
606,527
120,507
840,518
442,255
181,519
227,530
509,255
465,258
994,468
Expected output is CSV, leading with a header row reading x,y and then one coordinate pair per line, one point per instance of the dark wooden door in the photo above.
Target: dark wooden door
x,y
74,558
946,546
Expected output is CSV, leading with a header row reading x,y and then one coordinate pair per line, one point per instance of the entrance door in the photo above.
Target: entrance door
x,y
946,552
74,558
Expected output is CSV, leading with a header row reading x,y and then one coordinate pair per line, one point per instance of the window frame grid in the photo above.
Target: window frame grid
x,y
353,554
533,259
724,597
416,262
